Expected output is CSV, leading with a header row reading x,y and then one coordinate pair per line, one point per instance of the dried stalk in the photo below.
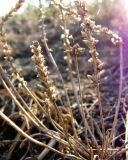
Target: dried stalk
x,y
11,123
48,50
96,63
119,95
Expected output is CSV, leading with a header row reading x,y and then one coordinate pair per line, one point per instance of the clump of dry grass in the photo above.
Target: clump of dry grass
x,y
65,129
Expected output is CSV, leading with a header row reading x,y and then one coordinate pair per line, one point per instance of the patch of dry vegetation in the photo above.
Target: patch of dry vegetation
x,y
40,116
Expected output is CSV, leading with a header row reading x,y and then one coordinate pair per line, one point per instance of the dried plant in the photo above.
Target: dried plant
x,y
64,129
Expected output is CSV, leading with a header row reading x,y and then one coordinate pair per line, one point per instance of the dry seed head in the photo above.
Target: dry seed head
x,y
70,37
81,49
90,60
98,61
35,48
81,9
67,41
39,60
83,34
91,51
97,54
62,36
100,66
90,77
76,49
88,24
7,49
14,71
114,37
53,91
65,57
47,102
87,42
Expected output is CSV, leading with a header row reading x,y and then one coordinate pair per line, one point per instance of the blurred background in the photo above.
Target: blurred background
x,y
23,28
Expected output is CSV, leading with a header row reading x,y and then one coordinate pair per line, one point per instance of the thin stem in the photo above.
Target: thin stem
x,y
119,95
86,123
20,98
81,99
26,135
118,151
67,50
28,114
57,126
48,50
45,151
79,83
93,52
44,40
99,97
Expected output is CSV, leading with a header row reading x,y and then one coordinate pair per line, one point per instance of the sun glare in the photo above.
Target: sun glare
x,y
88,1
6,4
126,4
